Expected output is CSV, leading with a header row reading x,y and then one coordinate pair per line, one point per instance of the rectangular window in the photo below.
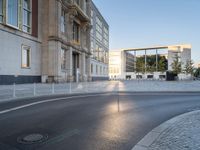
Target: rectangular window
x,y
12,12
27,15
76,32
26,55
63,22
1,11
63,59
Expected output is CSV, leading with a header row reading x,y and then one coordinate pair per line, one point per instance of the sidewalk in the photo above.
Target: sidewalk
x,y
179,133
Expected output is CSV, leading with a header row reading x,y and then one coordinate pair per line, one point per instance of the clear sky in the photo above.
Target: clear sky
x,y
145,23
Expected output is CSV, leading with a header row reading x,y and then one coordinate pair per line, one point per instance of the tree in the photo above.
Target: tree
x,y
197,72
189,67
176,65
140,65
162,64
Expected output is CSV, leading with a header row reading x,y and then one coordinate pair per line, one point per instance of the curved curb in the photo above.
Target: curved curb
x,y
154,134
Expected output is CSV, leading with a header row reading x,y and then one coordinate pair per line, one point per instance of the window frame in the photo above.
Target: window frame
x,y
22,15
76,37
27,48
18,15
63,59
1,13
63,21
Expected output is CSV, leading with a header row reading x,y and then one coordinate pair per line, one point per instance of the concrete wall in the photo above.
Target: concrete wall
x,y
11,54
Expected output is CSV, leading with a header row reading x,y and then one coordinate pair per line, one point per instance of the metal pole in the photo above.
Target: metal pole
x,y
135,64
14,91
145,61
156,60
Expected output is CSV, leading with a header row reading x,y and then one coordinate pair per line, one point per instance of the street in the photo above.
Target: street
x,y
89,122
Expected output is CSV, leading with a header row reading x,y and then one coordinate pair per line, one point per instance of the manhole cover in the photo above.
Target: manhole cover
x,y
32,138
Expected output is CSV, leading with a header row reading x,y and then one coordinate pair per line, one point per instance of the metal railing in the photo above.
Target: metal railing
x,y
8,92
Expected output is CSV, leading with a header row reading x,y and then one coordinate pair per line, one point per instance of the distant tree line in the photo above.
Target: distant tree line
x,y
187,69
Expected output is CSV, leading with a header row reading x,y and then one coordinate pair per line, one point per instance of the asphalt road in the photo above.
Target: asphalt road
x,y
94,122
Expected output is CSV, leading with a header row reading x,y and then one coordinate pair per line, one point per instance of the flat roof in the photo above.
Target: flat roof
x,y
157,47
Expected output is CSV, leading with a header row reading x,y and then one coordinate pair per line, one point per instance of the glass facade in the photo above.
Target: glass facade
x,y
100,38
12,12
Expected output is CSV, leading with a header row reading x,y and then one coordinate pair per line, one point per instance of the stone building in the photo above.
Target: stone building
x,y
66,40
44,41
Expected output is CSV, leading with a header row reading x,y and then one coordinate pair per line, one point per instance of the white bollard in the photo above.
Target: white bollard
x,y
70,87
53,88
14,91
34,89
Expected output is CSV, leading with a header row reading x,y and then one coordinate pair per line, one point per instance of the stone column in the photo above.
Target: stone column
x,y
88,68
69,64
55,8
82,66
53,45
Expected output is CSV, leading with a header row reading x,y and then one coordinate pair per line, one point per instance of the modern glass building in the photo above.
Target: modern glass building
x,y
99,45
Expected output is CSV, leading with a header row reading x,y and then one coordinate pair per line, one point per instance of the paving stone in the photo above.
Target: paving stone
x,y
181,135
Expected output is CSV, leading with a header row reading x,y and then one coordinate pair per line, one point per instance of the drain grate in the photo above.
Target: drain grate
x,y
32,138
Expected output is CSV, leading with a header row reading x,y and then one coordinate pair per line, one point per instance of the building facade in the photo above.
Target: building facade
x,y
121,65
20,41
45,41
99,45
125,63
66,40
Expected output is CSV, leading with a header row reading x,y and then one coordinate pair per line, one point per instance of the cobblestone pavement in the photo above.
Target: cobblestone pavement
x,y
180,133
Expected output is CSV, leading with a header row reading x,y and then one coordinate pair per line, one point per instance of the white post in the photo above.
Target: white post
x,y
87,90
156,60
53,90
145,62
14,91
34,89
70,87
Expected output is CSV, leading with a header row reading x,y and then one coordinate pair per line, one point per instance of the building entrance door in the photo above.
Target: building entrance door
x,y
75,60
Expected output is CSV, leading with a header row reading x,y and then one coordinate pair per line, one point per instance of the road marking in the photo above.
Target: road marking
x,y
47,101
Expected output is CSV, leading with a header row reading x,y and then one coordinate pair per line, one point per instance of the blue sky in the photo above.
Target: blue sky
x,y
145,23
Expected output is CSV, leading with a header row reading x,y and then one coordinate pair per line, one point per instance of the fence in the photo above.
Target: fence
x,y
30,90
